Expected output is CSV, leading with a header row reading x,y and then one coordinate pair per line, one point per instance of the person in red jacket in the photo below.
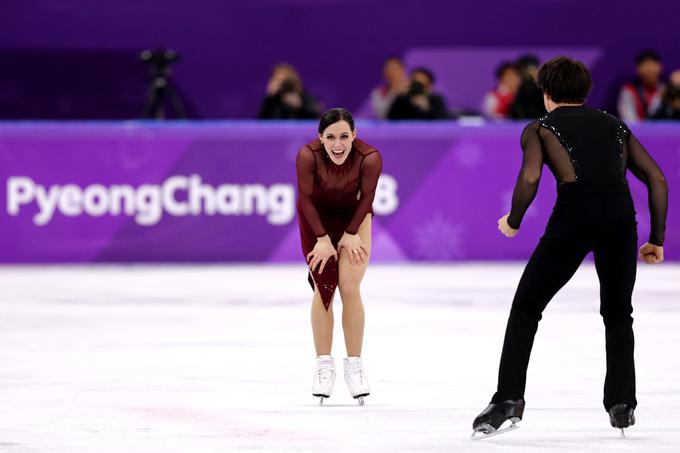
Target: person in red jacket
x,y
337,177
641,98
497,103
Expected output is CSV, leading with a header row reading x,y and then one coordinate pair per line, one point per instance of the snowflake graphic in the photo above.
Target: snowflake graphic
x,y
506,201
469,156
438,239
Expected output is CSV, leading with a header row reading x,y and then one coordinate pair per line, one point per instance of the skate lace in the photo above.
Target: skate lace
x,y
356,374
324,374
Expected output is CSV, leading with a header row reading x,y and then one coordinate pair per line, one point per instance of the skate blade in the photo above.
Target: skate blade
x,y
360,398
485,430
321,397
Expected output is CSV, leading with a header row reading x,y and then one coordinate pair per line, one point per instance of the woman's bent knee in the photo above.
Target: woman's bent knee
x,y
348,289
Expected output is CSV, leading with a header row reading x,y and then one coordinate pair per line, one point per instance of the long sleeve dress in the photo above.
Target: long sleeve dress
x,y
333,199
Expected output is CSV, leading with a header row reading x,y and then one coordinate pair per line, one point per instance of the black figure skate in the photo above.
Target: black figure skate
x,y
489,422
621,416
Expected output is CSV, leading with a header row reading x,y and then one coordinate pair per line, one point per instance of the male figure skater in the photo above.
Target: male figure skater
x,y
588,151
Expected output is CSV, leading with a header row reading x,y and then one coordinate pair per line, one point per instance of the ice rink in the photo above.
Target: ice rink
x,y
220,358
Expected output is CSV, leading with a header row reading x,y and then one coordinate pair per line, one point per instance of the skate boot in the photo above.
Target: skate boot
x,y
489,422
324,377
356,379
621,416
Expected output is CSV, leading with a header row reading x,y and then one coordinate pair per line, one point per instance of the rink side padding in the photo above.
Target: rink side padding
x,y
225,191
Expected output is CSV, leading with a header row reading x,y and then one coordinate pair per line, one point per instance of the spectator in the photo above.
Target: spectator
x,y
419,102
528,103
640,98
395,84
670,100
286,97
497,103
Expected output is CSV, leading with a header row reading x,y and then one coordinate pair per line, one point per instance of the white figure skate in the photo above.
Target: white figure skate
x,y
324,377
356,379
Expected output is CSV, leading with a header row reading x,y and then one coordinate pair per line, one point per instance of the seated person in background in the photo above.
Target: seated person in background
x,y
674,79
419,102
528,103
497,103
395,83
640,98
670,100
286,98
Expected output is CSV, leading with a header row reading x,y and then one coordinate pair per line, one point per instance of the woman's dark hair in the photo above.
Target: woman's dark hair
x,y
332,116
565,80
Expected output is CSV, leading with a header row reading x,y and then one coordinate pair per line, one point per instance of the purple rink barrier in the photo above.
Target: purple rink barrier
x,y
225,191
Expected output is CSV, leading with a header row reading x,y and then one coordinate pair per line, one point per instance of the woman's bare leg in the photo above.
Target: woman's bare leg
x,y
349,286
322,325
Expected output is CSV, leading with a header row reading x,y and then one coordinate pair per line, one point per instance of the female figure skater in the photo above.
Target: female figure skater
x,y
337,177
588,152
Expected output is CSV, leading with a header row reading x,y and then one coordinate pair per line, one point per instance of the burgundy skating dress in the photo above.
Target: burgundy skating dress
x,y
333,199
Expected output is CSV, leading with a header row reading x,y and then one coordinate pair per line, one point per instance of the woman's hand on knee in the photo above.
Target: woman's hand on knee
x,y
322,252
356,251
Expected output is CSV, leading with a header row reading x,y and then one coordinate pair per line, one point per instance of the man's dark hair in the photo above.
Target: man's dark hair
x,y
647,54
394,57
429,74
526,61
565,80
505,66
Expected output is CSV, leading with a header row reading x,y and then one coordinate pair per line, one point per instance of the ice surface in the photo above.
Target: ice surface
x,y
220,358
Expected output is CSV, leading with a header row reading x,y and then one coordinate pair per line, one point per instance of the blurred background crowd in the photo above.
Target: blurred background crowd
x,y
291,59
410,94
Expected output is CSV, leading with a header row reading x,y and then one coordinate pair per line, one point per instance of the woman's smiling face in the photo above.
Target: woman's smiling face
x,y
337,140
